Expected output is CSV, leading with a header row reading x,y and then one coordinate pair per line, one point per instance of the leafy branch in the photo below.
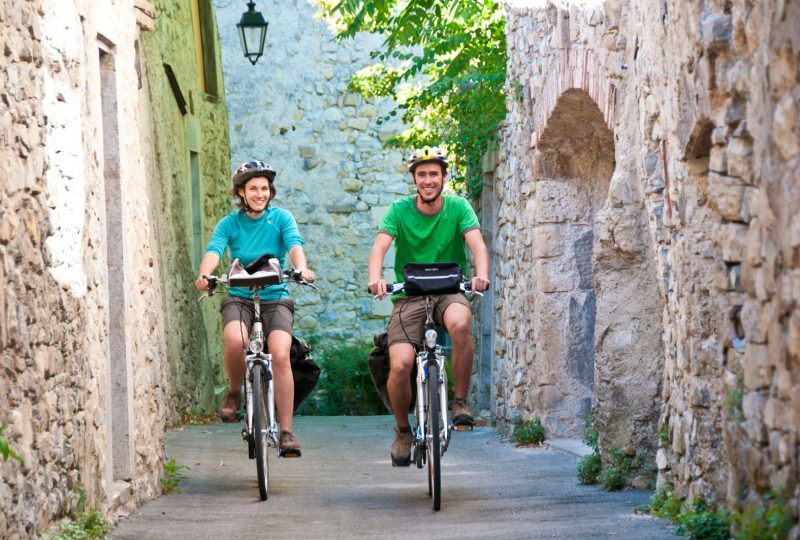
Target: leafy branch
x,y
443,62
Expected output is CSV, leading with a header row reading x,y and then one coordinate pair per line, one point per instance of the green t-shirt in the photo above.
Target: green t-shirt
x,y
421,238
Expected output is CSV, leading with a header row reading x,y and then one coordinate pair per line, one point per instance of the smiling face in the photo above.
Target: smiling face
x,y
429,178
256,193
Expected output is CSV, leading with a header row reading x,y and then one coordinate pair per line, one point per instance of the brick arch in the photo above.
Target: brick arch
x,y
575,68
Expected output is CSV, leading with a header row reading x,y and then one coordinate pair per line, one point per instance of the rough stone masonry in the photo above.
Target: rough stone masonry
x,y
648,257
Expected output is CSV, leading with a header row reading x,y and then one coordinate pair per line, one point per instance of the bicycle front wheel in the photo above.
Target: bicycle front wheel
x,y
260,429
434,446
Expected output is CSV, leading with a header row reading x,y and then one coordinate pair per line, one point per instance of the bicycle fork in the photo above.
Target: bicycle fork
x,y
422,397
265,360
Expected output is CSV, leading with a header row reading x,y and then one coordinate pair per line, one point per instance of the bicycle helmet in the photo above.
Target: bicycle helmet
x,y
246,171
425,154
251,169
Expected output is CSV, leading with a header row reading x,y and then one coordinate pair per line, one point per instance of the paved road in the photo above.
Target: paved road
x,y
345,487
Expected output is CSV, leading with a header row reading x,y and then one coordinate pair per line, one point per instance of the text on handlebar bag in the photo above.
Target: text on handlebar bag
x,y
422,279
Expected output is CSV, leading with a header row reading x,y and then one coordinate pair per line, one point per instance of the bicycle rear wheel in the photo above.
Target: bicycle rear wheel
x,y
260,427
434,445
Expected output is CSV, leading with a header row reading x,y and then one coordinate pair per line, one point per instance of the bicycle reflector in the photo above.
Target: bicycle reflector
x,y
430,338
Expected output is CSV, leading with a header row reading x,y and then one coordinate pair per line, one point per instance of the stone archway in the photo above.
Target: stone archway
x,y
573,169
597,328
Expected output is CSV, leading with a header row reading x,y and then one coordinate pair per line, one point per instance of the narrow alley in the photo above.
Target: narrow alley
x,y
344,487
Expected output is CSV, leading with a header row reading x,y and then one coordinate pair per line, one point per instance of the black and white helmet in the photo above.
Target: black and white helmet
x,y
251,169
427,153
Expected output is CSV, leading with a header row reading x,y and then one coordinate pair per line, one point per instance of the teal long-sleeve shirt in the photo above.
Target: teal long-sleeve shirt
x,y
275,231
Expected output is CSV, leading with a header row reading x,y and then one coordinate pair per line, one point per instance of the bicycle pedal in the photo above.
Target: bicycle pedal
x,y
463,427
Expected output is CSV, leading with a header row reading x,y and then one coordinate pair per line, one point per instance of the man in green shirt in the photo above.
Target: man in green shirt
x,y
428,227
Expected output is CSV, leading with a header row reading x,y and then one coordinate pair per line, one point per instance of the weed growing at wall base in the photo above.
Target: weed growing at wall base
x,y
84,523
527,432
173,476
768,519
624,462
589,468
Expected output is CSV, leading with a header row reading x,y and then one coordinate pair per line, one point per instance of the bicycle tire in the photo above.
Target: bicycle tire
x,y
434,440
260,428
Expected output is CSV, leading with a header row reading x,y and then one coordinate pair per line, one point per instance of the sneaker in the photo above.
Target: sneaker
x,y
288,446
462,418
229,409
401,448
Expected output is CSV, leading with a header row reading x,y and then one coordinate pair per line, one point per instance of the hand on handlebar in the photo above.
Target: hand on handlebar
x,y
307,275
201,283
479,284
378,288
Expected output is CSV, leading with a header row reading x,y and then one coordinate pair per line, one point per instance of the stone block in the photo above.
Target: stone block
x,y
370,111
784,120
718,160
554,276
360,124
619,191
740,158
650,164
717,30
732,238
755,317
557,202
726,194
352,184
757,367
548,241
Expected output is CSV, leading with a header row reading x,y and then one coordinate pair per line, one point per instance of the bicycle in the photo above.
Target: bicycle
x,y
432,427
260,428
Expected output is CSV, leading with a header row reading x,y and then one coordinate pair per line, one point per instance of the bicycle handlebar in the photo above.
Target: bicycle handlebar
x,y
293,275
397,288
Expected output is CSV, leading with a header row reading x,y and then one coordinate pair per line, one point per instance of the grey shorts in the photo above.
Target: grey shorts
x,y
275,314
407,322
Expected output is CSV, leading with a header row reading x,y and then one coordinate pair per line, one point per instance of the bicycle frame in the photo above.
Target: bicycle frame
x,y
255,355
428,354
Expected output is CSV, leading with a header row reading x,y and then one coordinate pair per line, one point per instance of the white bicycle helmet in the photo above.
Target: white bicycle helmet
x,y
425,154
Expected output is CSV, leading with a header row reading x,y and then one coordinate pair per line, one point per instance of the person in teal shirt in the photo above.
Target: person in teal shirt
x,y
428,227
250,232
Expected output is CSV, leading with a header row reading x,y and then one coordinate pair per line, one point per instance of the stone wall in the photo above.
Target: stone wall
x,y
293,109
650,160
82,332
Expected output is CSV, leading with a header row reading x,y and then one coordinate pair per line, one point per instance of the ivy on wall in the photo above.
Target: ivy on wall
x,y
443,62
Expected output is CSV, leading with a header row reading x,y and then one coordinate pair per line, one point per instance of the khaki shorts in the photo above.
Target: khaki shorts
x,y
407,322
275,314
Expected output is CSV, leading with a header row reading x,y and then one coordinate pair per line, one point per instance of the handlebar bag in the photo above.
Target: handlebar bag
x,y
422,279
264,271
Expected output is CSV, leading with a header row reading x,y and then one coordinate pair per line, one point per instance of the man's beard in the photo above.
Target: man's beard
x,y
433,199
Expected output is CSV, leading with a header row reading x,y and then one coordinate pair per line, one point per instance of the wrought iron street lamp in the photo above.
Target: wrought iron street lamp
x,y
252,32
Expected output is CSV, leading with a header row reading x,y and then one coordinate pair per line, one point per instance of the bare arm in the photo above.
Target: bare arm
x,y
299,262
207,267
377,285
480,256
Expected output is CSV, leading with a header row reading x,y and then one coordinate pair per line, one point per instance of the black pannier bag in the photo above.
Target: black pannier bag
x,y
378,365
305,371
432,278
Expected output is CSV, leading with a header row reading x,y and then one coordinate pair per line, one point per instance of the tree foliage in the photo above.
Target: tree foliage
x,y
444,64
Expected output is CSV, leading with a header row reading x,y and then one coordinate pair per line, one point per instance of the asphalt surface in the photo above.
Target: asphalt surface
x,y
345,487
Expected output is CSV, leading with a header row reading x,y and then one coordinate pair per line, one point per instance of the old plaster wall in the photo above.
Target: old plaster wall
x,y
83,350
695,245
293,109
190,159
